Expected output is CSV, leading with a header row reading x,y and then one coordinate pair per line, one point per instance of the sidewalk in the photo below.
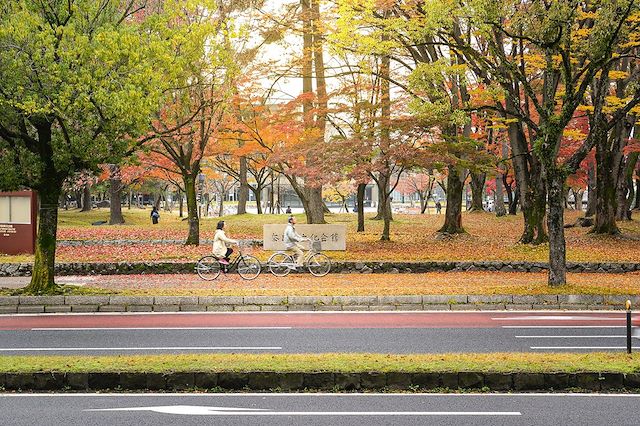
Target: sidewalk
x,y
335,292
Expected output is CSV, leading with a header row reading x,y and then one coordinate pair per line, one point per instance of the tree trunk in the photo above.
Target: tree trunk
x,y
534,213
529,181
43,272
380,207
577,198
315,206
555,223
453,213
360,205
625,190
78,196
498,198
386,217
636,205
42,279
86,198
220,204
192,209
606,200
591,194
243,193
513,205
384,201
477,189
115,200
257,194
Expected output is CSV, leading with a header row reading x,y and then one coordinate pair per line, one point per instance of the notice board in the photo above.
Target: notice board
x,y
18,220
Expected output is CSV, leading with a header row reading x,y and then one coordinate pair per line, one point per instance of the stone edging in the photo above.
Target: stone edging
x,y
125,268
318,381
106,303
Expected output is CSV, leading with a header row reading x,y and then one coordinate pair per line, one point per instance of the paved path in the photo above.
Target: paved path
x,y
318,409
306,332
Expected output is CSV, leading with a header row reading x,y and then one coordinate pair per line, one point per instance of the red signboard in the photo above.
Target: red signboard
x,y
18,219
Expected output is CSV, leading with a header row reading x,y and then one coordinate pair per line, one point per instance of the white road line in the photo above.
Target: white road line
x,y
578,347
195,410
154,328
564,326
173,348
557,318
570,337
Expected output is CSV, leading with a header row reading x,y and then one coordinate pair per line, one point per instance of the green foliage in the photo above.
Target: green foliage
x,y
87,71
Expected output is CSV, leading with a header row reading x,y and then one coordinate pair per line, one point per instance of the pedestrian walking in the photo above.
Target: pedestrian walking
x,y
288,211
155,215
438,207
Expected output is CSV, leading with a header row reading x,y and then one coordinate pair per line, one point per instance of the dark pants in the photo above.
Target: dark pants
x,y
229,251
154,220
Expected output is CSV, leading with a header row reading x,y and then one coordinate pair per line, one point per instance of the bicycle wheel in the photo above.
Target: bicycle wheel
x,y
208,268
278,264
249,267
319,265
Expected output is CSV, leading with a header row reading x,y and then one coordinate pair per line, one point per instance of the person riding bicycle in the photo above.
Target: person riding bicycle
x,y
292,241
220,241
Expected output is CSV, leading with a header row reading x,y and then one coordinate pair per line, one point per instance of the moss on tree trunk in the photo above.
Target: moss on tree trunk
x,y
42,278
192,210
453,213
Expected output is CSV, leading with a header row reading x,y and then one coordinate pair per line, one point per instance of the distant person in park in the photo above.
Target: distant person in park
x,y
220,241
438,207
292,241
288,211
155,215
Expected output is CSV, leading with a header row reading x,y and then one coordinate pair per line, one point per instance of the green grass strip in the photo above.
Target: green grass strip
x,y
346,363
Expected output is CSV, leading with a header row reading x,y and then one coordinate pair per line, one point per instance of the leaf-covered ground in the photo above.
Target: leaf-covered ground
x,y
413,238
356,284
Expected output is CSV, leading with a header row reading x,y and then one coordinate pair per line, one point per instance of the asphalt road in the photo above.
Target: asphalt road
x,y
410,332
318,409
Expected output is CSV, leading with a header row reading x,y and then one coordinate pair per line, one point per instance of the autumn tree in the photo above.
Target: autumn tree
x,y
404,33
567,45
75,77
188,123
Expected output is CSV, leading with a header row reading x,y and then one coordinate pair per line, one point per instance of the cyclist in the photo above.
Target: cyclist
x,y
292,241
220,241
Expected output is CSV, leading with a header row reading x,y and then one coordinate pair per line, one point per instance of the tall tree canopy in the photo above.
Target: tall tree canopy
x,y
79,79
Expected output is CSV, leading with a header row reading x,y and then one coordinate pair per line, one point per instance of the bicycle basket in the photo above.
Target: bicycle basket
x,y
316,246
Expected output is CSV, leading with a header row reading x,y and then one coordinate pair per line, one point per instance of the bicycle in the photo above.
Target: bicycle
x,y
209,267
319,264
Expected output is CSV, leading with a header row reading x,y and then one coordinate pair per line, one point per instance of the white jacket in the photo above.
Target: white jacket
x,y
220,241
291,237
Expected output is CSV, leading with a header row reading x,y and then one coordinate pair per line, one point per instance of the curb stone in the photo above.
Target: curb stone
x,y
42,304
361,267
319,381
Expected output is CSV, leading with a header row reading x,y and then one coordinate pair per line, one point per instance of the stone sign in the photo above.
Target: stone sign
x,y
331,237
18,214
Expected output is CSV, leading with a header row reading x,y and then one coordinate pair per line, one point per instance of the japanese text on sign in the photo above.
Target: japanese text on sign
x,y
331,237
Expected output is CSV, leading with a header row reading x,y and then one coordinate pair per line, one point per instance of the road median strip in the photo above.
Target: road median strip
x,y
323,372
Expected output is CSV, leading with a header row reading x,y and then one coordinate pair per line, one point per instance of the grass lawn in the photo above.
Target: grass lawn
x,y
413,237
348,363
